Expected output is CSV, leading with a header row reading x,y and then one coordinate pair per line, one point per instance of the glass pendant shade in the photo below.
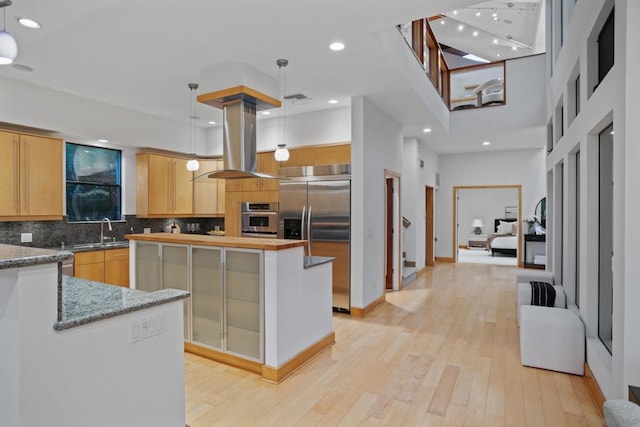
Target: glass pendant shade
x,y
8,48
193,165
282,154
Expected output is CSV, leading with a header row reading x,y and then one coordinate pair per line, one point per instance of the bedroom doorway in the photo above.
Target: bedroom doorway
x,y
480,213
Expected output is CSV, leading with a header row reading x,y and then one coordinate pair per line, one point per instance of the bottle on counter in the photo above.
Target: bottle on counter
x,y
173,228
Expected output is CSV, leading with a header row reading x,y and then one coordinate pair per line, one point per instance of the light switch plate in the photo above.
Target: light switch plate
x,y
26,237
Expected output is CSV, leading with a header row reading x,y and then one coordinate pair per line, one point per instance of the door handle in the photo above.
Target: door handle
x,y
16,178
26,176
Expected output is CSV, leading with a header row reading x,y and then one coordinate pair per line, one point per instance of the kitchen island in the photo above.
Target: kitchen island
x,y
258,304
78,353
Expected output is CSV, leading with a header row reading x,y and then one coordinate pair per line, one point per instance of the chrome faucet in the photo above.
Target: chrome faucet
x,y
102,228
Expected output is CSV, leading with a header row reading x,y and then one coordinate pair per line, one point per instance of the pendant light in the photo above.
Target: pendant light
x,y
282,154
193,164
8,45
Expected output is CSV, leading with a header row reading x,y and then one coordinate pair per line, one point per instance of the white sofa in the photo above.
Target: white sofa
x,y
524,277
552,338
621,413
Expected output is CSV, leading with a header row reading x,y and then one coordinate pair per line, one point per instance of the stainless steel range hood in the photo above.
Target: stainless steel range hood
x,y
239,106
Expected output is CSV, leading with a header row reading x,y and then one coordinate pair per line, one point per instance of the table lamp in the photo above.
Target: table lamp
x,y
478,224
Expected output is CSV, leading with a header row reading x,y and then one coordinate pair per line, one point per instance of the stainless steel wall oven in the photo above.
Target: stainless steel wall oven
x,y
259,219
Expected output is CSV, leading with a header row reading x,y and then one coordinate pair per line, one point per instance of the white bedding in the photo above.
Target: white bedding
x,y
505,242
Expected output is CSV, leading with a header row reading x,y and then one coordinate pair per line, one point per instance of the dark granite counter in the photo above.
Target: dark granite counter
x,y
84,301
23,256
86,247
312,261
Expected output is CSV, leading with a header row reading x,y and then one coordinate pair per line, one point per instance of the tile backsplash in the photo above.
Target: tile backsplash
x,y
51,234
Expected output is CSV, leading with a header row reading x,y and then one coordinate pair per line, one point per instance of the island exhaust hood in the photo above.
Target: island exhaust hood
x,y
239,106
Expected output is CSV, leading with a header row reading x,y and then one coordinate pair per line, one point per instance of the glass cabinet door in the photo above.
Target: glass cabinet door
x,y
147,266
175,274
206,303
243,303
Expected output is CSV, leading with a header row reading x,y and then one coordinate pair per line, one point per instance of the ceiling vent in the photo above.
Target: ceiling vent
x,y
296,97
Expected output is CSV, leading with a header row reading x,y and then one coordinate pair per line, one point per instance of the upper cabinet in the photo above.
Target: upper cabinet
x,y
163,186
265,163
30,177
208,194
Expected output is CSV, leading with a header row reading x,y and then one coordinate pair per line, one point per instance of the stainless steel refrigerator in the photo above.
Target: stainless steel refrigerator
x,y
315,205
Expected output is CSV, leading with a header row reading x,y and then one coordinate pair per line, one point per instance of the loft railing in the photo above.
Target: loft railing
x,y
460,88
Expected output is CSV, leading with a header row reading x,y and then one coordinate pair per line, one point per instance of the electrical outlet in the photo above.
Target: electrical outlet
x,y
26,237
146,328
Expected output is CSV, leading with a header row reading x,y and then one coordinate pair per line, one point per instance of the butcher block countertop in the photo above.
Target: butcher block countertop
x,y
221,241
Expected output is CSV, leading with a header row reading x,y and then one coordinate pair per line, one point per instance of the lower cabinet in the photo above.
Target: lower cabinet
x,y
107,266
226,309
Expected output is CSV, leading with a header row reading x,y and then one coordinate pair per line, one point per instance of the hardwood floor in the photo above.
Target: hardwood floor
x,y
442,352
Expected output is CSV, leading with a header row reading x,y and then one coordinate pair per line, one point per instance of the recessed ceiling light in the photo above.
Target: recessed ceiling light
x,y
333,101
486,143
442,21
478,13
498,55
460,27
475,34
337,46
103,140
495,15
211,122
455,12
29,23
495,18
266,113
514,47
612,132
495,41
426,130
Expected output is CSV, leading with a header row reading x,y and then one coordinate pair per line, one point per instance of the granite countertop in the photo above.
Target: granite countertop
x,y
84,301
312,261
86,247
12,256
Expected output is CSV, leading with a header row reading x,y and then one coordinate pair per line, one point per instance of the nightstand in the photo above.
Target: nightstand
x,y
529,260
477,241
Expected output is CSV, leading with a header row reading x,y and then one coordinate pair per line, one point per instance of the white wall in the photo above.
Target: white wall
x,y
614,100
414,180
83,120
318,127
524,85
376,145
517,167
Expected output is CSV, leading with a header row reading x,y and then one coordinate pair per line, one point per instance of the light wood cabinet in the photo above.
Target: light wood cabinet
x,y
163,186
109,266
209,194
320,155
30,177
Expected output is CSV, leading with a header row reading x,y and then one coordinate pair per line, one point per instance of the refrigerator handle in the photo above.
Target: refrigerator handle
x,y
304,214
309,231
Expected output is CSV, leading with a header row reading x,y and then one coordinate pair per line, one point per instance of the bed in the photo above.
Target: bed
x,y
501,242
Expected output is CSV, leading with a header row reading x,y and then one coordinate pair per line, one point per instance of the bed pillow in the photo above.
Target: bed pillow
x,y
505,228
515,227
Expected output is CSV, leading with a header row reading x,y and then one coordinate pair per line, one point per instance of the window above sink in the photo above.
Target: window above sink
x,y
93,183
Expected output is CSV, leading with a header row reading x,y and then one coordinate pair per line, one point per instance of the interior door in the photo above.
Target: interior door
x,y
388,270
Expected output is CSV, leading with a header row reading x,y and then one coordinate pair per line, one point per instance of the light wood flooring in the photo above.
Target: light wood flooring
x,y
442,352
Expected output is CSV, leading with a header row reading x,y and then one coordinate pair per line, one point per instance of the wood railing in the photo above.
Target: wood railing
x,y
432,59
